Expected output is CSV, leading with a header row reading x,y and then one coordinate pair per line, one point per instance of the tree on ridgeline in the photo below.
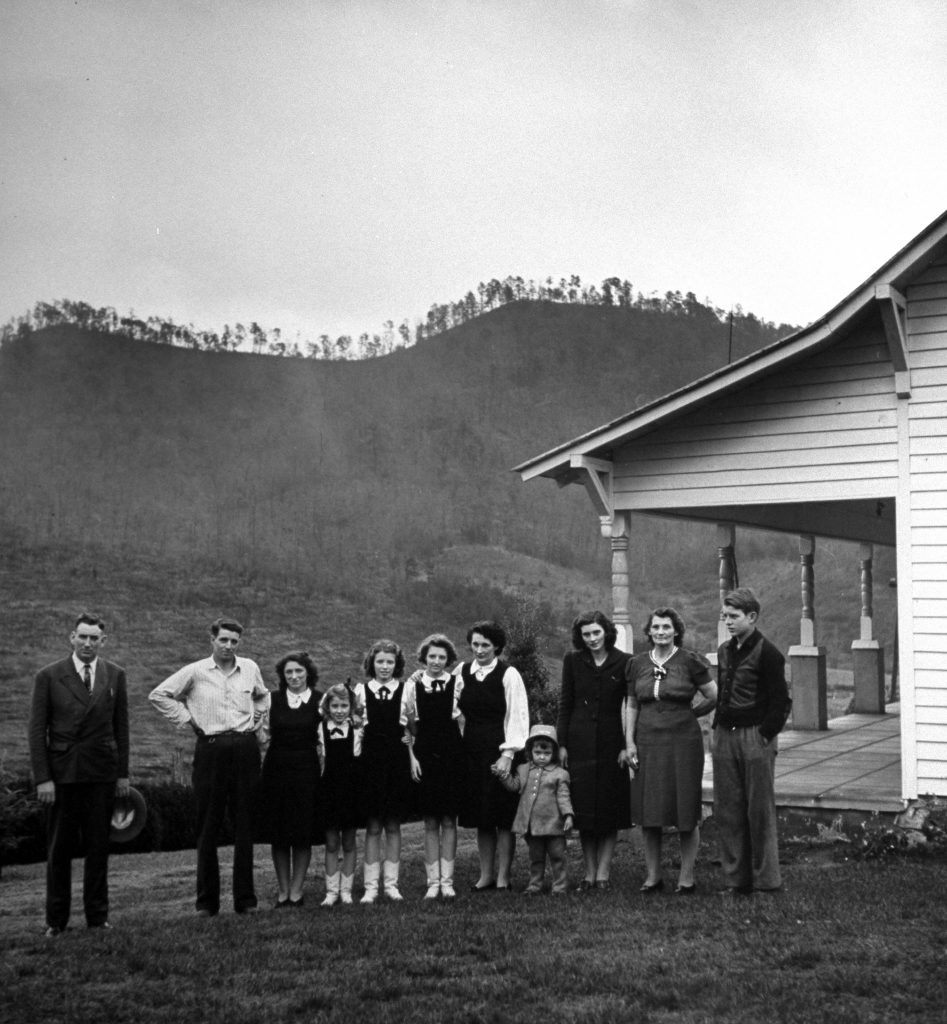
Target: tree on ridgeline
x,y
441,317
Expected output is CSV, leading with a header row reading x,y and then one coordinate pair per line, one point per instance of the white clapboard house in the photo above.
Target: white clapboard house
x,y
839,430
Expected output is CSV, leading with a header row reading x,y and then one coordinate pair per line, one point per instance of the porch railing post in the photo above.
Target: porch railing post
x,y
868,655
807,660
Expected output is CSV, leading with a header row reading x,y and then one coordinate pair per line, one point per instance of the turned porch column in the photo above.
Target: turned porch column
x,y
807,659
868,655
620,532
728,578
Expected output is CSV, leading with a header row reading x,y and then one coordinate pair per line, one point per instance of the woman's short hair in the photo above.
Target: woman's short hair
x,y
437,640
666,613
342,691
383,647
743,599
491,631
600,619
303,658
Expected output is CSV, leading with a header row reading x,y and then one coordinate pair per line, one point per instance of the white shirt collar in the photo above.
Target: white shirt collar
x,y
330,725
294,700
481,671
80,665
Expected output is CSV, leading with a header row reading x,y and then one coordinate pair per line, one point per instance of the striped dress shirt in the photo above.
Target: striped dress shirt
x,y
216,701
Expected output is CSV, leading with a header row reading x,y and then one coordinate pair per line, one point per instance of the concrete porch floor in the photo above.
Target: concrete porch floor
x,y
855,765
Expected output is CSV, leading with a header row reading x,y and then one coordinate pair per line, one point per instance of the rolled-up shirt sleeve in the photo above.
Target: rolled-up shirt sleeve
x,y
169,697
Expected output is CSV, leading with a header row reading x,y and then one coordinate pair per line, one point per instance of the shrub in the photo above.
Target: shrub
x,y
525,625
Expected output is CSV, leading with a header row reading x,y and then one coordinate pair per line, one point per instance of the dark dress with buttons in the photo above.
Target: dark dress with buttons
x,y
667,787
590,727
386,786
287,813
487,804
440,752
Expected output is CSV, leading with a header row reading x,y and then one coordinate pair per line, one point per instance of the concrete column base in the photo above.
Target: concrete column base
x,y
868,664
809,688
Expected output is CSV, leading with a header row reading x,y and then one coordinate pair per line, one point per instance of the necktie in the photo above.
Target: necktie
x,y
438,685
383,693
87,678
337,731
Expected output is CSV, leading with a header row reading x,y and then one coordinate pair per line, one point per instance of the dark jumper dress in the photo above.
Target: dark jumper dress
x,y
339,789
487,804
440,752
386,787
287,813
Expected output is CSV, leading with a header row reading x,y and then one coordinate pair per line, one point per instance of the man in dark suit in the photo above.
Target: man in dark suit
x,y
79,752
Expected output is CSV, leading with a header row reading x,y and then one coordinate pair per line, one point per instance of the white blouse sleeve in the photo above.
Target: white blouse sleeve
x,y
516,720
409,702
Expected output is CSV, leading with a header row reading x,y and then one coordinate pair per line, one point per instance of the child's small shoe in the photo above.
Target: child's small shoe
x,y
391,871
447,879
433,880
332,890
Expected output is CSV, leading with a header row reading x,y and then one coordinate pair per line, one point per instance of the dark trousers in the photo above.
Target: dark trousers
x,y
541,847
226,772
80,819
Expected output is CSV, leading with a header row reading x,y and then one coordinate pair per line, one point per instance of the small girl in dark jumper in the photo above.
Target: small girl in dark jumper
x,y
340,746
544,815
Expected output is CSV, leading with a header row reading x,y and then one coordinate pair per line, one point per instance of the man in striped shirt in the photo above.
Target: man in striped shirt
x,y
223,699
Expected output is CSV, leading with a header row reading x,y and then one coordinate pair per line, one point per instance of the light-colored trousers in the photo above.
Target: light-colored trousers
x,y
745,807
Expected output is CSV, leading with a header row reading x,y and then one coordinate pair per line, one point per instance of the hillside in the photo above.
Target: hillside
x,y
327,503
334,472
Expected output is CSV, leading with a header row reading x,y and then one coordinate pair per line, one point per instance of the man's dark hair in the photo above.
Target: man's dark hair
x,y
223,623
90,620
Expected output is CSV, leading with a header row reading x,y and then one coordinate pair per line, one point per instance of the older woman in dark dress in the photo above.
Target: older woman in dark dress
x,y
492,700
287,816
592,741
663,733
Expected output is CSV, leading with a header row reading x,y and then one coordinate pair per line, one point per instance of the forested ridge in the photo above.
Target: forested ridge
x,y
339,469
381,482
441,317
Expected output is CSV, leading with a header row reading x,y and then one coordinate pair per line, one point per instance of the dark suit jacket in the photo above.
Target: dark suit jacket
x,y
75,736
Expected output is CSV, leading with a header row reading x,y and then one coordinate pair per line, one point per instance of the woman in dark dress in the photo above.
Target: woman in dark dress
x,y
289,785
386,770
592,741
492,701
663,733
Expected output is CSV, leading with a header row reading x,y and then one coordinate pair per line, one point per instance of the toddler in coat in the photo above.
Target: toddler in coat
x,y
544,815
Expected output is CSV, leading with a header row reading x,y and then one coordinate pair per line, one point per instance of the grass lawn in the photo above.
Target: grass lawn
x,y
846,942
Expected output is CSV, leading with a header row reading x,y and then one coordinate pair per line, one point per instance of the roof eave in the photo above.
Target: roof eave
x,y
556,462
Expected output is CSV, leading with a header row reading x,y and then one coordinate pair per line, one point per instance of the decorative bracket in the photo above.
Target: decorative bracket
x,y
596,476
893,315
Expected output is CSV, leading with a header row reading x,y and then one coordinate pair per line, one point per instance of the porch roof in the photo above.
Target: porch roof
x,y
878,292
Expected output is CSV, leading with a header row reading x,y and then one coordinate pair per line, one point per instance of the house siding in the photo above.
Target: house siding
x,y
822,430
925,561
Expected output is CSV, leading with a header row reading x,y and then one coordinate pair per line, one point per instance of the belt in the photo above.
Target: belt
x,y
229,734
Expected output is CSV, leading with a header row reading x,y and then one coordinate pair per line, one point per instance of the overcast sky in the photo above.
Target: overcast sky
x,y
322,166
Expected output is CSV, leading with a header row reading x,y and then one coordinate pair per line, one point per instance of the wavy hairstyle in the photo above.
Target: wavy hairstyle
x,y
600,619
383,647
304,659
676,621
